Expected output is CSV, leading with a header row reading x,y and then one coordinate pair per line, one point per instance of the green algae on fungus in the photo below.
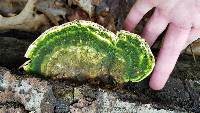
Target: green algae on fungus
x,y
84,48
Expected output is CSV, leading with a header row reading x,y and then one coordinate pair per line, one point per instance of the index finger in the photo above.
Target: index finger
x,y
173,44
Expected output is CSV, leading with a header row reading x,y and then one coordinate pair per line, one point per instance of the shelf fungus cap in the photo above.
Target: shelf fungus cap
x,y
85,49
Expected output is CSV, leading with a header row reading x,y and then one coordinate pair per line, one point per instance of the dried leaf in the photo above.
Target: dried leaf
x,y
27,19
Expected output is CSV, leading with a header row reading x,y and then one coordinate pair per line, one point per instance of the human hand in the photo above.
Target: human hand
x,y
183,18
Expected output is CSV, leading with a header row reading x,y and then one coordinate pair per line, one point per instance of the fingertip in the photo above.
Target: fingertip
x,y
127,25
132,20
156,85
158,79
139,9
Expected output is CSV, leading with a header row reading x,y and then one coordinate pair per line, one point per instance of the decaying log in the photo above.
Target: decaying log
x,y
12,51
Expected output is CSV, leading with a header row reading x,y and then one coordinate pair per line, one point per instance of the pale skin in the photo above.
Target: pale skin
x,y
183,20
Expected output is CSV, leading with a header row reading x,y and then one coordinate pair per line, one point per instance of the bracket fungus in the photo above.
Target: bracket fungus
x,y
83,48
